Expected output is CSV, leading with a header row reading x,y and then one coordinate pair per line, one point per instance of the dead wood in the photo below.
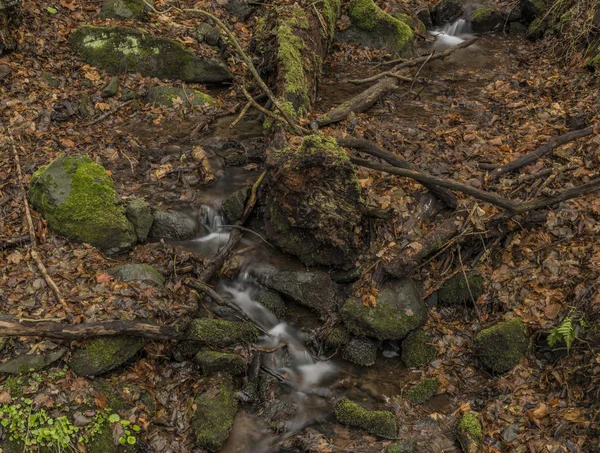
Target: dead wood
x,y
374,149
15,242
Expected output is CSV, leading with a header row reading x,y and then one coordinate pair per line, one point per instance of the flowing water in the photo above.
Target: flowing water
x,y
451,34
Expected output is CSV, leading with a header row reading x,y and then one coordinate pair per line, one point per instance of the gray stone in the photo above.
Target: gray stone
x,y
398,310
175,225
487,19
272,301
137,272
208,34
233,206
31,362
4,71
360,351
122,50
238,8
111,89
103,354
446,11
124,9
165,95
424,15
128,95
511,432
138,212
214,361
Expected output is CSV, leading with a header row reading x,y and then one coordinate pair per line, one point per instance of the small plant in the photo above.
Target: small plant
x,y
565,332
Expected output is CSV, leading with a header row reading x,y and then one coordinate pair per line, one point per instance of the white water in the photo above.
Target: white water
x,y
451,34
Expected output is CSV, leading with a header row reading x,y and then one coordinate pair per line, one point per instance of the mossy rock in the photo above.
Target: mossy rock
x,y
532,9
166,95
360,351
233,206
373,27
446,11
404,446
486,19
398,310
381,423
423,391
502,346
122,50
77,198
139,213
25,363
104,354
220,333
176,225
111,88
137,272
216,406
336,338
417,349
272,301
314,205
469,433
124,9
214,361
455,291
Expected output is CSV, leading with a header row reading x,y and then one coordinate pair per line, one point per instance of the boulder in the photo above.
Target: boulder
x,y
336,337
124,9
165,95
502,346
446,11
77,198
360,351
373,27
532,9
214,361
417,349
137,272
424,15
272,301
469,433
233,206
26,363
487,19
175,225
103,354
122,50
139,213
381,423
314,290
216,405
111,89
458,290
423,391
314,204
220,333
398,310
208,34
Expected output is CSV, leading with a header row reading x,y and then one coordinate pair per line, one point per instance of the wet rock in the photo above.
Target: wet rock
x,y
167,95
314,206
373,27
124,9
424,15
122,49
278,413
381,423
404,446
103,354
208,34
314,290
360,351
446,11
345,277
502,346
336,338
272,301
233,206
31,362
214,361
399,310
458,291
138,212
216,406
77,198
175,225
417,349
234,156
111,89
423,391
4,71
137,272
487,19
220,333
469,433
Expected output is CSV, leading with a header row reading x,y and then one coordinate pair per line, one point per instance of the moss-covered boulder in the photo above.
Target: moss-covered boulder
x,y
233,206
124,9
446,11
336,337
417,349
122,50
314,205
398,310
220,333
469,433
272,301
360,351
460,291
137,272
170,96
502,346
423,391
214,361
381,423
404,446
486,19
139,213
103,354
216,405
77,198
314,290
373,27
111,88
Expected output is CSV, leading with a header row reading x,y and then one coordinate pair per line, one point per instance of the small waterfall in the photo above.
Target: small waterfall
x,y
456,28
451,34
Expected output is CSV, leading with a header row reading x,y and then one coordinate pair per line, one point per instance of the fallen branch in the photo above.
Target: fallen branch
x,y
543,150
90,329
15,242
109,113
374,149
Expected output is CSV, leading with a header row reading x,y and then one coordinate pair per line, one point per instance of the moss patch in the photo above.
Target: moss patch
x,y
417,349
336,338
501,346
169,96
469,433
423,391
381,423
455,291
221,333
124,9
213,361
103,354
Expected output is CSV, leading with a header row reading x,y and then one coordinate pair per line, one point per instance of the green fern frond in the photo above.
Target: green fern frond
x,y
564,332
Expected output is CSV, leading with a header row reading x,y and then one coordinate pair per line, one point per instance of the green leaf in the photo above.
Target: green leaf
x,y
136,428
114,418
122,440
131,440
52,10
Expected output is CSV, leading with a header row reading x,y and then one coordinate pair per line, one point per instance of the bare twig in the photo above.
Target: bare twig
x,y
241,115
109,113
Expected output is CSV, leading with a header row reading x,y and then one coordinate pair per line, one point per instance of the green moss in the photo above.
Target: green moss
x,y
336,338
501,346
483,13
331,11
423,391
404,446
417,349
103,354
470,425
213,361
221,333
165,95
381,423
593,62
455,291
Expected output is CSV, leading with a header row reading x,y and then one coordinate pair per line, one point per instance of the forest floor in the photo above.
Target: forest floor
x,y
501,98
